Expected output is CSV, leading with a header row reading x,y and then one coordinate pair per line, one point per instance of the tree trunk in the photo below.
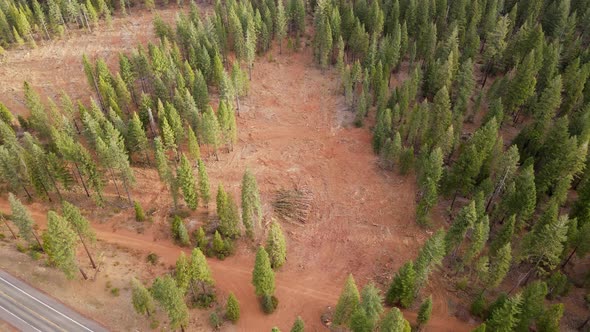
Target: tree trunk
x,y
83,273
454,198
238,103
25,188
115,182
38,241
7,225
569,257
127,191
584,324
82,179
87,251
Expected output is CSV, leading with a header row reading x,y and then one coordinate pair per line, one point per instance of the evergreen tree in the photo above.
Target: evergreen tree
x,y
200,272
393,321
136,138
276,246
263,276
464,220
298,325
533,298
549,321
251,205
170,297
499,266
204,190
80,225
522,86
59,242
179,231
504,236
479,237
371,304
186,180
280,25
505,317
211,130
431,254
182,272
141,298
544,244
347,303
232,308
424,312
228,214
22,219
139,214
194,150
403,287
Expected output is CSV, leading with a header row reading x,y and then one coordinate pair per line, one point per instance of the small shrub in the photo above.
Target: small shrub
x,y
115,291
232,308
139,214
21,248
462,284
154,324
214,320
109,284
2,236
35,255
269,303
205,300
152,258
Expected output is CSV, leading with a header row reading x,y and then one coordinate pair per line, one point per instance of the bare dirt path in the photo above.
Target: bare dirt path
x,y
295,132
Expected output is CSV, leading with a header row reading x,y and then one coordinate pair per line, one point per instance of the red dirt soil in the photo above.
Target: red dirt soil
x,y
294,131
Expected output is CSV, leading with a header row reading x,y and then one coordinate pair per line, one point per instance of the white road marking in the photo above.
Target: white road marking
x,y
46,305
22,320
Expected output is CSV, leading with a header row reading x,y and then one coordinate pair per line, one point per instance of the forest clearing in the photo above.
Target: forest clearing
x,y
341,165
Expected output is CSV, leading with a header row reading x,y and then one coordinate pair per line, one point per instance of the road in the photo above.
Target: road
x,y
28,309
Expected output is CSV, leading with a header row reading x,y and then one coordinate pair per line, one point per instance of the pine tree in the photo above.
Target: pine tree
x,y
431,254
200,273
263,276
424,312
80,225
59,242
22,219
204,190
38,120
211,130
250,48
251,205
194,150
505,317
276,246
170,297
136,138
464,220
232,308
359,321
348,302
504,236
533,298
182,272
227,211
167,135
141,298
371,304
393,321
479,237
179,231
403,287
186,179
499,266
298,325
544,244
522,86
280,25
549,321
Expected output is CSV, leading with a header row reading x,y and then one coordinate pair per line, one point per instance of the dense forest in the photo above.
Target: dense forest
x,y
487,102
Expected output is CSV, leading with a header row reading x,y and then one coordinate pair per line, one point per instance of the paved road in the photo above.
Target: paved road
x,y
27,309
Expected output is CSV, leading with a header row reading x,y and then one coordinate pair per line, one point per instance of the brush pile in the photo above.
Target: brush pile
x,y
292,205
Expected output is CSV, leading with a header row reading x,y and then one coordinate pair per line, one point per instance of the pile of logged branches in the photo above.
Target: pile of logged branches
x,y
292,205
